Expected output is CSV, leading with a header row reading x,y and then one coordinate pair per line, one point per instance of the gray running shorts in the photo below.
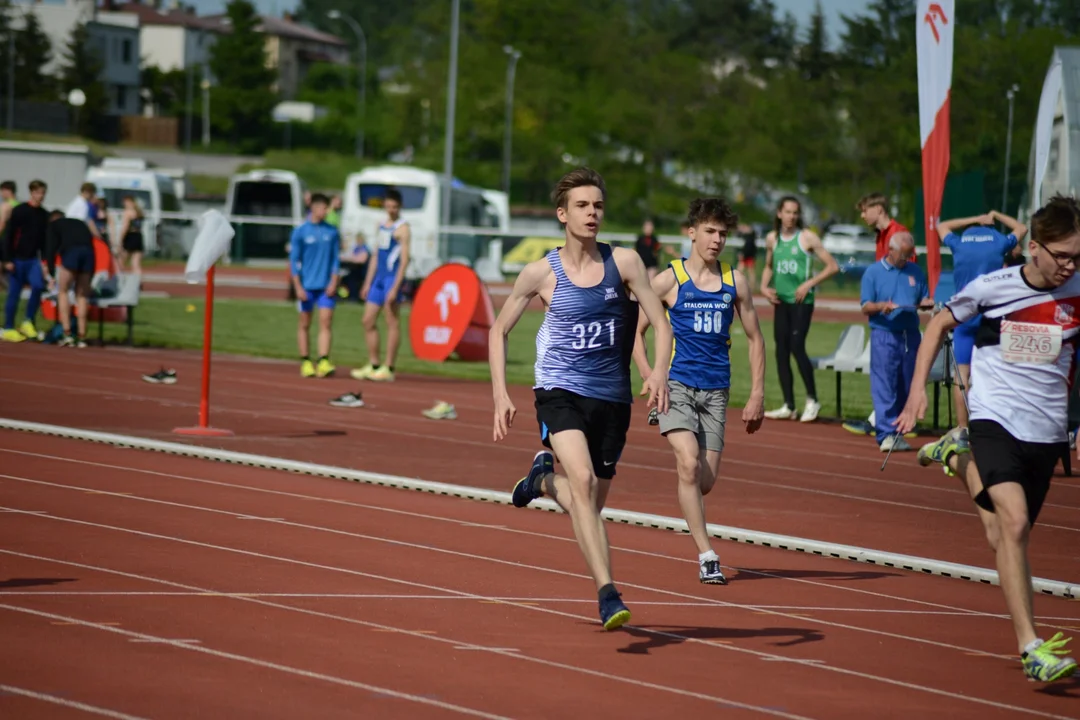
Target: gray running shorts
x,y
702,412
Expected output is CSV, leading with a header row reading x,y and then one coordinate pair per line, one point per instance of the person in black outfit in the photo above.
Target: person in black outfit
x,y
20,255
648,248
748,254
71,241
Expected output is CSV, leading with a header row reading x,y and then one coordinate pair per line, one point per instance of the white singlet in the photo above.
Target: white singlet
x,y
1022,366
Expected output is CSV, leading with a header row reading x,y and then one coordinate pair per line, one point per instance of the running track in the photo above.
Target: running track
x,y
152,586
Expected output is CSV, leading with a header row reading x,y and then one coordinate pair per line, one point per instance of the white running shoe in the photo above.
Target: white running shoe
x,y
784,413
810,412
895,443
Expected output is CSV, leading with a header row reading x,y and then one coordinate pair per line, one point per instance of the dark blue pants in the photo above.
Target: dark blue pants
x,y
892,363
27,272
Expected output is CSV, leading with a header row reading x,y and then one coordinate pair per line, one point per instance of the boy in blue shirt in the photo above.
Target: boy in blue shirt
x,y
893,291
314,269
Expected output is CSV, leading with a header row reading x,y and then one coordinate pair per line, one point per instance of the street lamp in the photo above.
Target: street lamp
x,y
1008,149
451,106
205,86
515,55
361,84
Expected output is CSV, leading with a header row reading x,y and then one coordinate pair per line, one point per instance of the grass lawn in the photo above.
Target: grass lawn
x,y
268,329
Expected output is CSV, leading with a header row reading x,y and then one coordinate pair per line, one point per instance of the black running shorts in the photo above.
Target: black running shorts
x,y
1001,458
603,422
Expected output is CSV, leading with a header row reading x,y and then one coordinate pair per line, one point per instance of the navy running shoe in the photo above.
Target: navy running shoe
x,y
613,613
528,487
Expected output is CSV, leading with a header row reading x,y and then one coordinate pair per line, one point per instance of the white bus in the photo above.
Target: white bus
x,y
155,193
421,195
278,196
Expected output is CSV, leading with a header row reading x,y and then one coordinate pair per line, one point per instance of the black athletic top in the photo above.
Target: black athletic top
x,y
24,234
66,234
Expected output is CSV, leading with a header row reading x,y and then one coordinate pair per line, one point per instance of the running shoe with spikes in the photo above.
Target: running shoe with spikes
x,y
654,417
349,400
1049,661
529,487
711,574
441,410
951,443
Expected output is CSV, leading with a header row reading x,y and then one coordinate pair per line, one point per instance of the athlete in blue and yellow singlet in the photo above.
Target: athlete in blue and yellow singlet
x,y
703,296
382,289
582,389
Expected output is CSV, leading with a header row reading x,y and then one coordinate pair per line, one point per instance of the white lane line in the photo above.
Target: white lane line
x,y
432,638
473,556
648,631
257,662
45,697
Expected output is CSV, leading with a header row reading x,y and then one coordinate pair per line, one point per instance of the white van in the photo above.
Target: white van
x,y
271,194
155,193
421,205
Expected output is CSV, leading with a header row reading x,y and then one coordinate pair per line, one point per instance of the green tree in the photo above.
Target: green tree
x,y
33,50
243,99
81,70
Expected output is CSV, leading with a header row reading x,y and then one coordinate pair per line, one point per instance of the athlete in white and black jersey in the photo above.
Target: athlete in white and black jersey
x,y
1021,374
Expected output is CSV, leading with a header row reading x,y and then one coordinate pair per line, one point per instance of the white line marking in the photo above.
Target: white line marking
x,y
165,640
547,536
499,561
260,663
650,631
93,709
827,549
431,638
553,600
489,649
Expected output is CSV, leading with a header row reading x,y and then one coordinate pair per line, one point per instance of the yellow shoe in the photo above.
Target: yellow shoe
x,y
307,369
12,336
363,373
441,411
28,330
324,368
383,374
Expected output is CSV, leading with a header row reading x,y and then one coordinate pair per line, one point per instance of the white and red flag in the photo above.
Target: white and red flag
x,y
935,28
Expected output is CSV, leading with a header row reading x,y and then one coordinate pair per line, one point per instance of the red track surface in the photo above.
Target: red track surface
x,y
157,586
474,606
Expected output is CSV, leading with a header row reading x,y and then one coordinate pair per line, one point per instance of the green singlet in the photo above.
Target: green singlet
x,y
792,267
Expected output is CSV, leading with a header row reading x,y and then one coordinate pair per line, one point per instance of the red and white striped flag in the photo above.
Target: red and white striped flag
x,y
935,26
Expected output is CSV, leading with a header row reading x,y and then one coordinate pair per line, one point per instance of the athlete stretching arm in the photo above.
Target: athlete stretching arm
x,y
754,411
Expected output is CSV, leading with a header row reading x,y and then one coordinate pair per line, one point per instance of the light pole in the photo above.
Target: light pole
x,y
205,85
451,105
362,84
1008,149
511,67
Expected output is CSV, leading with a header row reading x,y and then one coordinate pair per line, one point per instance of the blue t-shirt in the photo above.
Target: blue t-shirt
x,y
905,286
313,254
979,250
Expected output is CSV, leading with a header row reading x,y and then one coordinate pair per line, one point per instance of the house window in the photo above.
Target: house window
x,y
127,52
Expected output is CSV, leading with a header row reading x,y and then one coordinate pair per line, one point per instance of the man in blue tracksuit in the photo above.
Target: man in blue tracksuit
x,y
314,268
893,291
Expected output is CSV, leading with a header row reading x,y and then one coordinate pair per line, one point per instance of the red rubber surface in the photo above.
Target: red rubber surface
x,y
303,597
814,481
